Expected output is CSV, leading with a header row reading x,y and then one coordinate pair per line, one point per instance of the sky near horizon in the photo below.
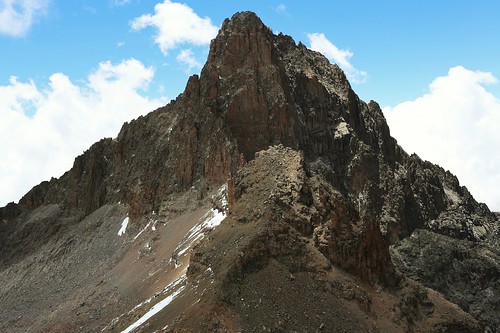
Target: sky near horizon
x,y
72,72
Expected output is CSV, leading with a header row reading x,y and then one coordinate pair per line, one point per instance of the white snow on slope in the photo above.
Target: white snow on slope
x,y
124,227
176,290
209,221
153,221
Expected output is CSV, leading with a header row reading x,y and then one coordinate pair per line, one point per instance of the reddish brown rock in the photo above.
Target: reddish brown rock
x,y
337,191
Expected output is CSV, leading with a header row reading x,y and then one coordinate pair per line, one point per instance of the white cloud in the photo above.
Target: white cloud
x,y
68,118
456,125
281,8
320,43
187,57
176,24
17,16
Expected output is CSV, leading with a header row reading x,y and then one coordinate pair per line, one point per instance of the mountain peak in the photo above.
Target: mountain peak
x,y
316,191
239,38
242,20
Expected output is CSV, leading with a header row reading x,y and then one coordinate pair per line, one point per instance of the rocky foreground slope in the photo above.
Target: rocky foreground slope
x,y
330,225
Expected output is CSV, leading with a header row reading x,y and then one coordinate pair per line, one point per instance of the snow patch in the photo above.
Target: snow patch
x,y
146,227
209,221
172,287
122,230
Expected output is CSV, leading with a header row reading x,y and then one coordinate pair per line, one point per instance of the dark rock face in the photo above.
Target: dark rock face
x,y
343,183
466,272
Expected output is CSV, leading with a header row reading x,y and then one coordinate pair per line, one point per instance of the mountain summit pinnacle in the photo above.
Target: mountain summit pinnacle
x,y
242,20
325,222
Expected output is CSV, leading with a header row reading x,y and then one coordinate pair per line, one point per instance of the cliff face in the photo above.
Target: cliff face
x,y
338,186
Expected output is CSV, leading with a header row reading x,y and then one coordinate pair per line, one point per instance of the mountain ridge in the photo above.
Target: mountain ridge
x,y
355,198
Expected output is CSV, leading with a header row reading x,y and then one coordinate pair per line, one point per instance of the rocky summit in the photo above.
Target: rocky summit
x,y
267,197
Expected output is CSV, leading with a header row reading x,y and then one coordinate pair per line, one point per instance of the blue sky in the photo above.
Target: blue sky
x,y
65,67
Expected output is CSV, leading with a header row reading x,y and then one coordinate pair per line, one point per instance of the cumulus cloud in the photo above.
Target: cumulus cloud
x,y
17,16
456,125
320,43
177,24
187,57
43,130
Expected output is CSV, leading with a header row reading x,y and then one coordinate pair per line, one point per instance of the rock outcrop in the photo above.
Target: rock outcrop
x,y
315,184
273,263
